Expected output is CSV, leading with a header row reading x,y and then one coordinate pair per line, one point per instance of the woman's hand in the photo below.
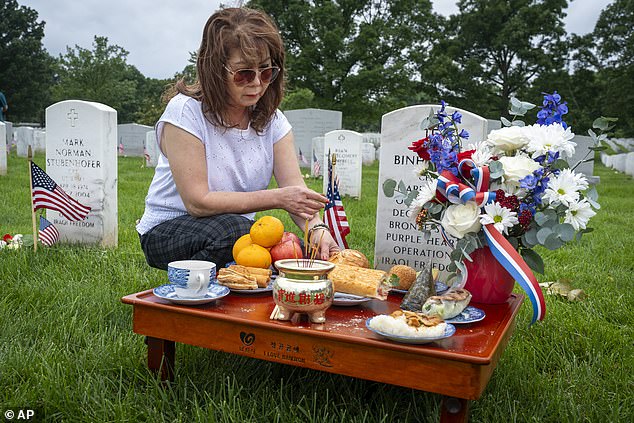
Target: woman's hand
x,y
321,239
301,201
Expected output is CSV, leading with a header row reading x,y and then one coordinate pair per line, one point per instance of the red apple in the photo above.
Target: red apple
x,y
287,236
289,249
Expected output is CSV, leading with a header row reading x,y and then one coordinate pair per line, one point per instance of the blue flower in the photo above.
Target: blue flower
x,y
456,117
552,110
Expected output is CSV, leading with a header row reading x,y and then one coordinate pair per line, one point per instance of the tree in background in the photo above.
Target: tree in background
x,y
495,48
100,75
26,72
353,55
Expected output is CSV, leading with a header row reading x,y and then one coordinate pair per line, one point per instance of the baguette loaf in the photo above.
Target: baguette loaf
x,y
360,281
237,278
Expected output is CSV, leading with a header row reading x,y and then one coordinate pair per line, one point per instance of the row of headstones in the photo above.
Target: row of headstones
x,y
81,154
135,140
623,162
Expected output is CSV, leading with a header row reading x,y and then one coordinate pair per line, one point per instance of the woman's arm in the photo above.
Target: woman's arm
x,y
304,203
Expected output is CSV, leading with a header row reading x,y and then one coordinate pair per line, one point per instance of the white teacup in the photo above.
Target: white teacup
x,y
191,278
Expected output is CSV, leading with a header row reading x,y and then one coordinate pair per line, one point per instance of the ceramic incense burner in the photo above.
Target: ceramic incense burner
x,y
303,287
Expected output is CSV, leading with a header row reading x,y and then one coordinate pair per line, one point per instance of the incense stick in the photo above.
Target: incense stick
x,y
306,239
314,252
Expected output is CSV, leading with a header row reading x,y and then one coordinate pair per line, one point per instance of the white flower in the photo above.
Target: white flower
x,y
562,189
421,169
545,138
2,244
580,180
501,217
460,219
482,154
578,214
516,168
17,239
507,139
427,192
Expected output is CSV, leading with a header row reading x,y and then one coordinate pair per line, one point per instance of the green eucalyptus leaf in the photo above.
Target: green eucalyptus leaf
x,y
541,218
533,260
565,231
592,134
388,187
543,234
519,123
516,103
560,164
436,208
411,197
553,242
425,123
527,106
505,121
402,187
530,238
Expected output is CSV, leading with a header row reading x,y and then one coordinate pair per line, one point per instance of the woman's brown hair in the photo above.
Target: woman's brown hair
x,y
254,34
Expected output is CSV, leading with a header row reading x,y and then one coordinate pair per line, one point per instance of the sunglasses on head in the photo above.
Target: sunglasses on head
x,y
246,76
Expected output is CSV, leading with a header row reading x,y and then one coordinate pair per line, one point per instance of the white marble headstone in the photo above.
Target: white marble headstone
x,y
398,241
308,124
618,162
39,140
131,139
151,149
368,153
493,124
317,169
373,138
346,145
9,126
24,137
81,156
629,164
3,149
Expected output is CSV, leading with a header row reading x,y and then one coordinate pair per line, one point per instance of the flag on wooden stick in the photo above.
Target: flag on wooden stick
x,y
48,195
316,165
334,214
48,233
302,158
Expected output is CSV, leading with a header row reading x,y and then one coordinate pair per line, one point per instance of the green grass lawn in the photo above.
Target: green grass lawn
x,y
67,349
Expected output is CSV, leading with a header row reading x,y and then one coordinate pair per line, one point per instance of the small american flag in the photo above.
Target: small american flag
x,y
48,233
121,149
334,214
48,195
302,158
316,165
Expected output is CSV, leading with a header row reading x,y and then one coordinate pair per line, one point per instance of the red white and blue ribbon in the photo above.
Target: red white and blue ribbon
x,y
510,259
457,192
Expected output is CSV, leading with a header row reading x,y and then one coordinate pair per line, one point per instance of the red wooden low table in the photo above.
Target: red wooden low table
x,y
458,367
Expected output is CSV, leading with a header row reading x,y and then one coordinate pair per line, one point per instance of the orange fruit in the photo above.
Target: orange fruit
x,y
267,231
242,242
254,256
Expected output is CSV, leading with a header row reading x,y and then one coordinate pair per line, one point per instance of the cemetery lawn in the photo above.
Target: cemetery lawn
x,y
68,352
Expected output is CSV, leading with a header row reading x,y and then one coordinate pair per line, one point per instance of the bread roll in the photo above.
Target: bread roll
x,y
401,276
350,257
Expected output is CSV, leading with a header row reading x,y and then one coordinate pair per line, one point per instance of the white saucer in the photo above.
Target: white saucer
x,y
342,299
449,330
168,293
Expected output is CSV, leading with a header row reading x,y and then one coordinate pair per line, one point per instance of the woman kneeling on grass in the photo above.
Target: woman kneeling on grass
x,y
220,140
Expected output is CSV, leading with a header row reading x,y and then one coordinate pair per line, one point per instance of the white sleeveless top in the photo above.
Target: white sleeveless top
x,y
237,160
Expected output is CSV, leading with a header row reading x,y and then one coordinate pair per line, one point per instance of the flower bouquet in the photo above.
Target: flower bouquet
x,y
509,193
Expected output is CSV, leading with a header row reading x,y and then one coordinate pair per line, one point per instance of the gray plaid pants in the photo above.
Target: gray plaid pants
x,y
191,238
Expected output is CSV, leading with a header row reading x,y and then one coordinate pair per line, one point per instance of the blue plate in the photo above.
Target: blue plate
x,y
440,288
168,293
469,315
449,330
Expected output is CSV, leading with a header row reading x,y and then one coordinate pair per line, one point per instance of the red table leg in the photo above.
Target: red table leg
x,y
454,410
160,357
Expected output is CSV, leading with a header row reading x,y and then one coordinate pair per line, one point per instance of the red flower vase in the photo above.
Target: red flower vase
x,y
487,280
